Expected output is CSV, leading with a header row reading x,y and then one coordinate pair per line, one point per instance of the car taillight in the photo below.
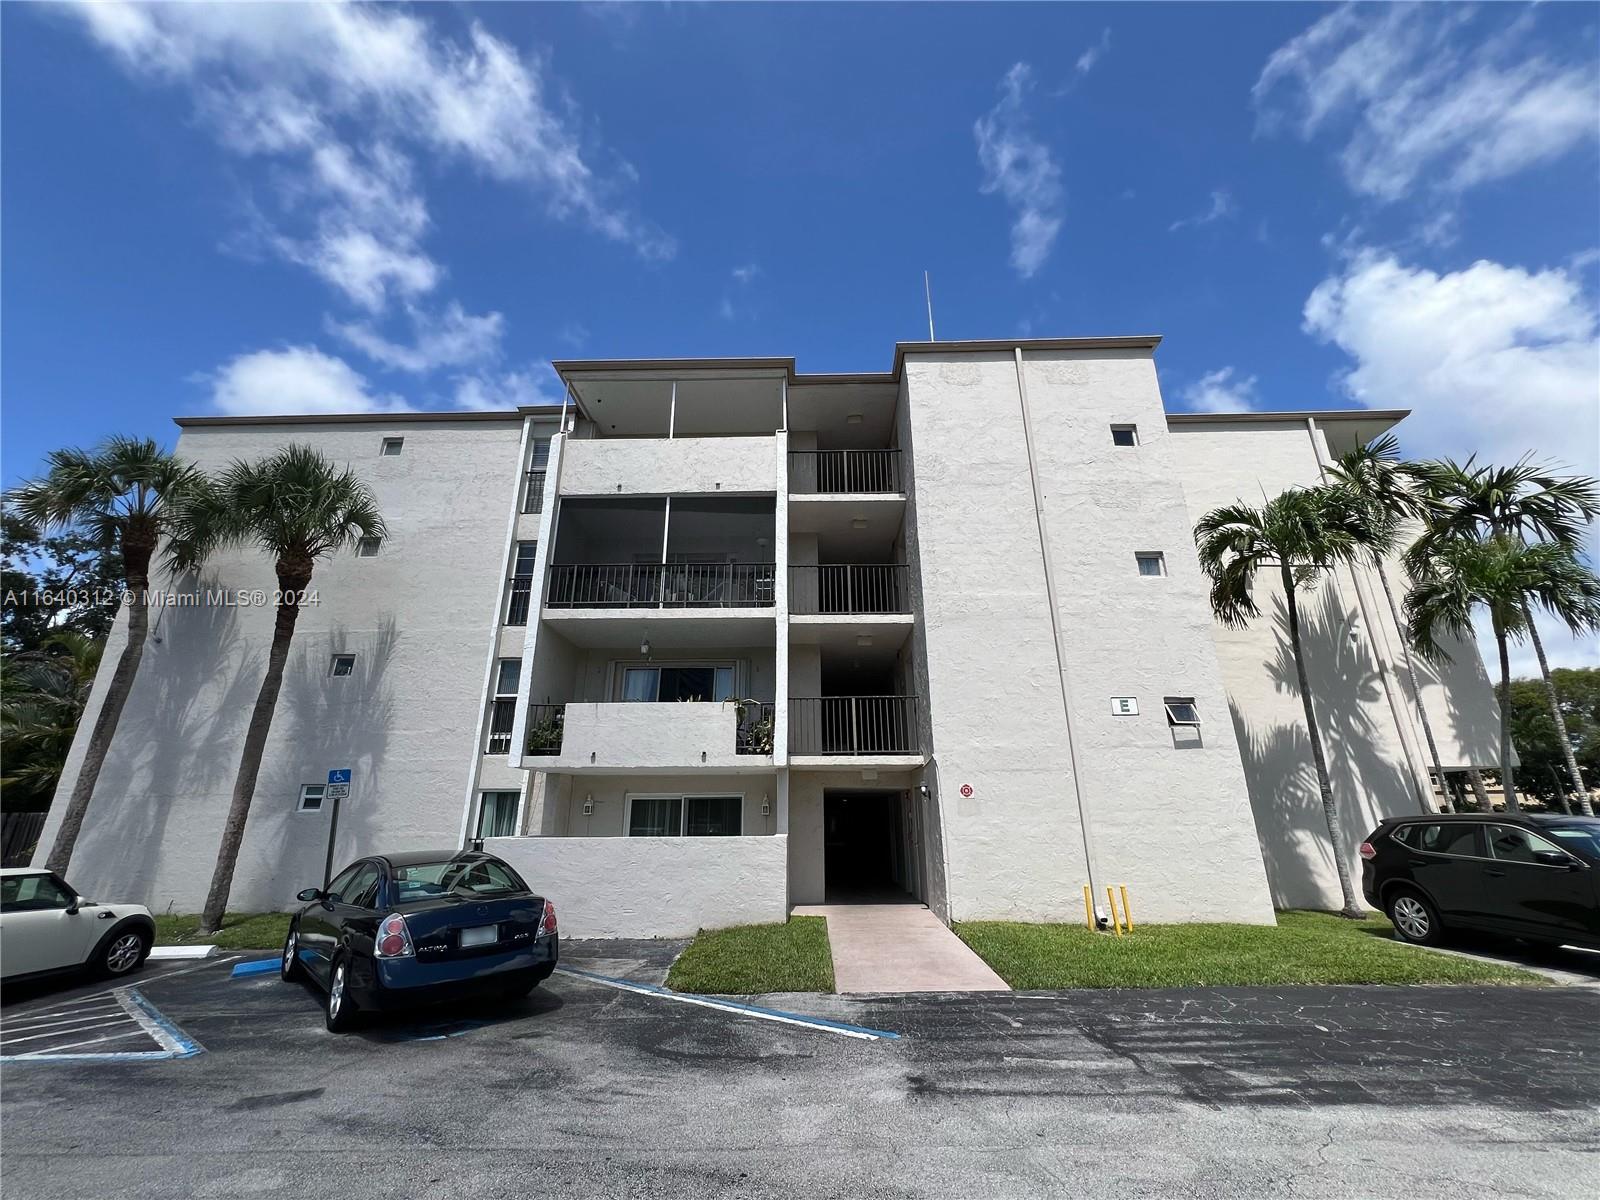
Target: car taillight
x,y
394,938
1367,852
547,923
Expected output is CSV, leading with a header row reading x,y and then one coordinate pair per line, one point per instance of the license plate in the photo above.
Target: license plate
x,y
483,935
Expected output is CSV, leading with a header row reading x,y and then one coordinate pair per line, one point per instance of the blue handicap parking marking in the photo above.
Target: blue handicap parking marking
x,y
115,1026
259,967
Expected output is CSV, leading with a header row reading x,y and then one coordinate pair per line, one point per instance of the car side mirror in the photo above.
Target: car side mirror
x,y
307,895
72,909
1554,858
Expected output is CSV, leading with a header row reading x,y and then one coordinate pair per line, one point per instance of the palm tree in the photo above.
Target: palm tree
x,y
1508,577
1376,473
1525,501
1300,534
125,493
297,507
45,694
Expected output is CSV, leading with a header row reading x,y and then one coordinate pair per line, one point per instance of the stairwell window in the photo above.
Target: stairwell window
x,y
1151,563
503,706
367,547
1181,710
311,796
391,447
1124,435
342,665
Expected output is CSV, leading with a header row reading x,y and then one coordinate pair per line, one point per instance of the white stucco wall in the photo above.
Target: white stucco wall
x,y
652,887
415,616
1015,847
658,737
662,466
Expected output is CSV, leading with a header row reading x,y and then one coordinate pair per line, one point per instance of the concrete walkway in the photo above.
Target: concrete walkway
x,y
899,948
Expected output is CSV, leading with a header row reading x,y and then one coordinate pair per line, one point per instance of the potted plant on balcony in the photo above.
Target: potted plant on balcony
x,y
544,735
754,726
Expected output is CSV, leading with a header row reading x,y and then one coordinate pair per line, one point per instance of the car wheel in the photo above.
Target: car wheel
x,y
123,952
289,968
1415,919
340,1013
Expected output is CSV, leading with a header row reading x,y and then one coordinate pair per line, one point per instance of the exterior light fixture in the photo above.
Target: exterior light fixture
x,y
864,640
858,523
853,419
766,808
588,804
644,646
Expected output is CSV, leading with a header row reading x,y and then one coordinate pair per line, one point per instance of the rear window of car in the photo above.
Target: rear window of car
x,y
1448,839
1405,834
481,877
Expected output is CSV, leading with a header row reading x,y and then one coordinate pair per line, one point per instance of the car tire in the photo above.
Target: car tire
x,y
121,952
339,1013
289,968
1414,918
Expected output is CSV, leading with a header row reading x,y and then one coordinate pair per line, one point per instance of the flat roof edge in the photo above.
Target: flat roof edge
x,y
379,418
1316,414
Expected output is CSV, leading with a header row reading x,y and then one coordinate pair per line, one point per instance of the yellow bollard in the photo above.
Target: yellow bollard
x,y
1088,909
1111,898
1127,913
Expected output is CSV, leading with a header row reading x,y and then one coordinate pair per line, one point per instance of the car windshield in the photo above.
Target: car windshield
x,y
478,877
1583,840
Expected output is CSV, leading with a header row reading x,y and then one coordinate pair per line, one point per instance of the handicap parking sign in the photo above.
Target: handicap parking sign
x,y
339,784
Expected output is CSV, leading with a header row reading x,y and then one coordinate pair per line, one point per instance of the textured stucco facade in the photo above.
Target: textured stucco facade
x,y
924,585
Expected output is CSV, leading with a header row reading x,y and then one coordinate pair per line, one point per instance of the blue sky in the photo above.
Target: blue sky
x,y
295,207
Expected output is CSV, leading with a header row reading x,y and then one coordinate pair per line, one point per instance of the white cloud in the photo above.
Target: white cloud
x,y
1022,169
746,273
1221,391
1091,56
297,380
342,96
537,384
1221,206
1420,105
450,338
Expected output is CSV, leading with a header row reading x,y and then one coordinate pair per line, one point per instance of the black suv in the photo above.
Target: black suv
x,y
1533,877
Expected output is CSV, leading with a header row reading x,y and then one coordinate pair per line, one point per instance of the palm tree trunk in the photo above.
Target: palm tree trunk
x,y
1555,714
137,575
1478,790
1508,784
255,742
1411,677
1352,906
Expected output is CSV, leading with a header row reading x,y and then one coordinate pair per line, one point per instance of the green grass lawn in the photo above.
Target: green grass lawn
x,y
240,931
792,957
1304,947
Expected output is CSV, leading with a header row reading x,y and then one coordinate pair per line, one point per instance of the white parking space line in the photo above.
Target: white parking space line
x,y
58,1035
79,1027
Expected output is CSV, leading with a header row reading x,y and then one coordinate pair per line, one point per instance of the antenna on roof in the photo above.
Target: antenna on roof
x,y
927,293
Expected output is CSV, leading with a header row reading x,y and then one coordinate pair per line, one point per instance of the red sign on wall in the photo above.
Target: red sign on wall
x,y
966,790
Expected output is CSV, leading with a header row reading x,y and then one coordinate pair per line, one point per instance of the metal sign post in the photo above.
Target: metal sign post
x,y
338,788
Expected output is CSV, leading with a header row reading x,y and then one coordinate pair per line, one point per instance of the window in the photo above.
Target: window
x,y
1454,838
541,454
1181,710
688,681
1124,435
367,547
685,816
1151,563
342,665
503,706
497,814
362,890
341,881
1510,844
33,893
391,447
311,797
476,877
527,552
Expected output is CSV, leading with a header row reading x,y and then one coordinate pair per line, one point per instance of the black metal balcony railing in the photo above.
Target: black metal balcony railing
x,y
533,493
661,585
545,726
518,599
844,471
854,725
502,716
753,734
849,588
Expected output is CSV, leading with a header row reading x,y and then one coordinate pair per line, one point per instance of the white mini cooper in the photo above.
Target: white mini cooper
x,y
46,928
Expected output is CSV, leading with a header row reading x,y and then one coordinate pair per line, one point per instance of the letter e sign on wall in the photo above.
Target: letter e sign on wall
x,y
1124,706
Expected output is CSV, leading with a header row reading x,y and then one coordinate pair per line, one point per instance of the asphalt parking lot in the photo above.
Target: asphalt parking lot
x,y
586,1089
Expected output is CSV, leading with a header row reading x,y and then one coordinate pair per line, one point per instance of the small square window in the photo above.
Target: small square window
x,y
1181,710
342,665
367,547
1153,563
391,447
1124,435
311,798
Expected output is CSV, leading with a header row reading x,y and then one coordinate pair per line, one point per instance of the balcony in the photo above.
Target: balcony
x,y
661,738
849,588
845,472
661,585
838,726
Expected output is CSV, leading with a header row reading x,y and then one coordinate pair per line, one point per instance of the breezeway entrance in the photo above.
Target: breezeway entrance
x,y
869,847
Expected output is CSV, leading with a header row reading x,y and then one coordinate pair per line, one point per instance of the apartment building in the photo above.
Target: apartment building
x,y
713,638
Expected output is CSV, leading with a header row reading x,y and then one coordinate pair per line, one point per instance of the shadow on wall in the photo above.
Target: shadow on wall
x,y
324,723
1476,726
1367,782
175,737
